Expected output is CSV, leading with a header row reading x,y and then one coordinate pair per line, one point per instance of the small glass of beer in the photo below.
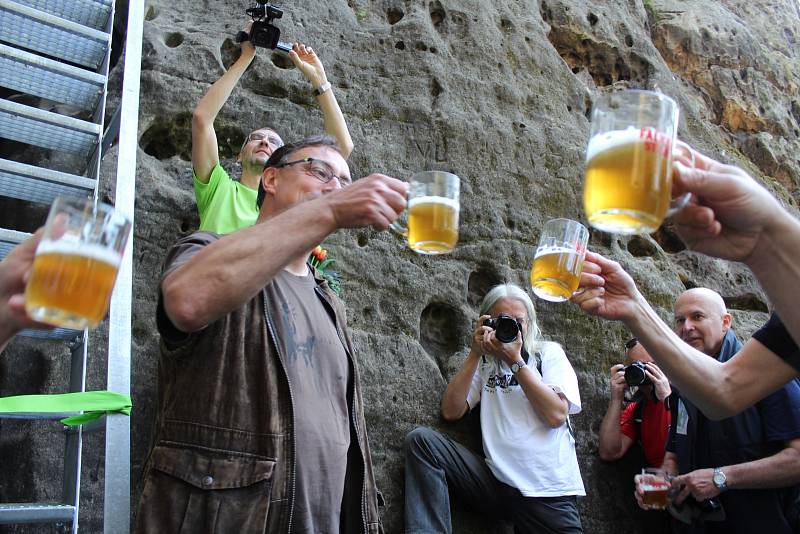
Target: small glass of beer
x,y
655,485
76,263
559,257
432,213
628,182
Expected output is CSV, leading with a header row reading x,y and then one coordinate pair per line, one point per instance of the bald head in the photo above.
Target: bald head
x,y
637,352
702,320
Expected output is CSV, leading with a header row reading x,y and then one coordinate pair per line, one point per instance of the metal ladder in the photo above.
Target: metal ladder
x,y
57,52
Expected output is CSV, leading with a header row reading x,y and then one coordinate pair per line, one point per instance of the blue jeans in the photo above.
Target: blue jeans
x,y
437,465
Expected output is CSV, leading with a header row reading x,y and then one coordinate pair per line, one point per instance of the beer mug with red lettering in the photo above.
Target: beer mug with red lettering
x,y
629,162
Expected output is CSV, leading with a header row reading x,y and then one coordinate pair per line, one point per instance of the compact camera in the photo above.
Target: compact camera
x,y
263,33
505,327
635,374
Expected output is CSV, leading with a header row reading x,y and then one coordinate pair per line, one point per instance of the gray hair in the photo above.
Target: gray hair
x,y
532,335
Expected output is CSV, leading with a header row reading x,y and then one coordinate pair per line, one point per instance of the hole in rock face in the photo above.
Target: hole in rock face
x,y
394,15
628,41
174,40
640,246
422,47
437,15
668,240
281,60
480,281
436,88
169,136
592,18
362,240
746,302
151,14
442,329
400,45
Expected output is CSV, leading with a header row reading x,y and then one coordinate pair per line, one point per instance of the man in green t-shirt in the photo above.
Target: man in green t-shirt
x,y
224,204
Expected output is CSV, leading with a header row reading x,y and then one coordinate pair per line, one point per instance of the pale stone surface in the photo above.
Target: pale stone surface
x,y
498,93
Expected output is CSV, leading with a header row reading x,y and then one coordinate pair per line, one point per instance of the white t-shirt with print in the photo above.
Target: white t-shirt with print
x,y
522,450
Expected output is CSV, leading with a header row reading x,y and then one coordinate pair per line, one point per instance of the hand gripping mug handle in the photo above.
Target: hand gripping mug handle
x,y
397,227
677,204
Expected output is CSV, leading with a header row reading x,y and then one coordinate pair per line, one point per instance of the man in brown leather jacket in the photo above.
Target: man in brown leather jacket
x,y
260,427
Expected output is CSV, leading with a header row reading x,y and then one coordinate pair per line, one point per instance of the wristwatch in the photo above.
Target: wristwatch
x,y
516,366
322,88
719,479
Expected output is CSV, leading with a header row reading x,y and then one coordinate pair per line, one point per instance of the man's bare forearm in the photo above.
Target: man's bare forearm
x,y
611,446
454,400
335,125
236,267
776,266
776,471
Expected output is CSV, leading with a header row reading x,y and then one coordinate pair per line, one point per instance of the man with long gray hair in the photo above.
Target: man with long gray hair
x,y
527,388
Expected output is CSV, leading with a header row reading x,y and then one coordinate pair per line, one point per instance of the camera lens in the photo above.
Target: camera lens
x,y
634,374
506,329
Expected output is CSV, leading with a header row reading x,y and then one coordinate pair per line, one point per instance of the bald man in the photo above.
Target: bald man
x,y
747,462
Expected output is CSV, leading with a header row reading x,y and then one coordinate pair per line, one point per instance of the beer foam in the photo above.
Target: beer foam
x,y
90,250
607,140
544,251
451,202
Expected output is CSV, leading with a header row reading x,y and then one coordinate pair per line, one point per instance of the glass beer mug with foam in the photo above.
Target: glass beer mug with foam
x,y
629,162
433,209
557,265
76,263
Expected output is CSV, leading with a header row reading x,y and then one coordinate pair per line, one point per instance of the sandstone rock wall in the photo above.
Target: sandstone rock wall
x,y
498,93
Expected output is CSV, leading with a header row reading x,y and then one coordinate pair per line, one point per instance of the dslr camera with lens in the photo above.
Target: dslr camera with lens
x,y
263,33
635,374
505,327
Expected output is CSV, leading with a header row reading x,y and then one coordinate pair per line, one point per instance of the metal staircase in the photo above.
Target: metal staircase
x,y
54,63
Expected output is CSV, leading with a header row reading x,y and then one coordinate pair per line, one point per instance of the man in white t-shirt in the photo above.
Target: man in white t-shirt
x,y
527,388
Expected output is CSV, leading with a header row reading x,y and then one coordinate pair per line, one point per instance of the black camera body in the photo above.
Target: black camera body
x,y
263,33
635,374
505,328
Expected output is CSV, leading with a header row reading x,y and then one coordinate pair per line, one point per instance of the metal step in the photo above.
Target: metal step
x,y
37,184
8,240
35,513
42,128
53,36
47,78
92,13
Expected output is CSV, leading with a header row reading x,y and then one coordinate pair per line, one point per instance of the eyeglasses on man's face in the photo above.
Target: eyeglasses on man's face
x,y
319,170
272,138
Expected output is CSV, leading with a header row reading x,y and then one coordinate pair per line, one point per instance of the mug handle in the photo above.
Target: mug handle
x,y
398,228
677,204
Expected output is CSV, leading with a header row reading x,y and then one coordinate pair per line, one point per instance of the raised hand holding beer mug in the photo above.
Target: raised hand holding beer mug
x,y
433,209
628,185
76,263
557,265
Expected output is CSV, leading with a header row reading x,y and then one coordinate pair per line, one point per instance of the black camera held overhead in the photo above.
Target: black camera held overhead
x,y
635,374
505,328
263,33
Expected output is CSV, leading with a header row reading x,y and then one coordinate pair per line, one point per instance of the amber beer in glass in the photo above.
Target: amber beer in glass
x,y
629,162
433,210
655,487
559,257
76,264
